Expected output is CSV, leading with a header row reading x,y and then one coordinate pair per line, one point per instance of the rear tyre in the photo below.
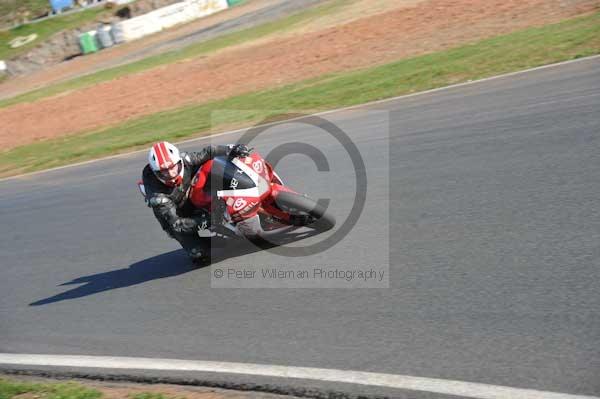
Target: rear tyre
x,y
315,215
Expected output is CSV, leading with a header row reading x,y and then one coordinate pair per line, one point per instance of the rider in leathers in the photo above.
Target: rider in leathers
x,y
167,179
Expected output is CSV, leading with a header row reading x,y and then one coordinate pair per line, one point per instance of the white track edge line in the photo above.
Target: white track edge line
x,y
331,111
394,381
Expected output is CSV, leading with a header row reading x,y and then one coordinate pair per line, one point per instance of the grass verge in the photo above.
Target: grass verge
x,y
10,10
34,7
567,40
44,30
194,50
12,388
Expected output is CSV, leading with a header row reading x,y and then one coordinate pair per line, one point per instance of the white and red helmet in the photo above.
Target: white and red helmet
x,y
166,163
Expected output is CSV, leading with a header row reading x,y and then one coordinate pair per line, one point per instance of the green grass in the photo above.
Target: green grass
x,y
69,390
10,388
571,39
35,7
191,51
44,30
9,10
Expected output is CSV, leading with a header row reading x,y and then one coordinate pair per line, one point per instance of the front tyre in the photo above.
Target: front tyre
x,y
305,208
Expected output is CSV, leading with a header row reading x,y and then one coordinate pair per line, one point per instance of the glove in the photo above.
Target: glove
x,y
185,226
217,213
239,150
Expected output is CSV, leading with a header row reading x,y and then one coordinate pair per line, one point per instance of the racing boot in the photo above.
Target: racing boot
x,y
198,249
200,256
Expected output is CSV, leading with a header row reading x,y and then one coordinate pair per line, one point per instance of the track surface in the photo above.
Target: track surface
x,y
494,249
181,37
245,21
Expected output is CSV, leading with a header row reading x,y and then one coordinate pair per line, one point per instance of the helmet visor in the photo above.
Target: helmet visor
x,y
171,172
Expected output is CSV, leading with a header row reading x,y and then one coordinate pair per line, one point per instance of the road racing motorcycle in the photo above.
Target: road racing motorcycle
x,y
237,189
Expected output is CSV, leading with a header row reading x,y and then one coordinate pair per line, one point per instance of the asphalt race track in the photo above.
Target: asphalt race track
x,y
492,193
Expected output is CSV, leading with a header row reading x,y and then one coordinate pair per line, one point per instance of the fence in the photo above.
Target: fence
x,y
164,18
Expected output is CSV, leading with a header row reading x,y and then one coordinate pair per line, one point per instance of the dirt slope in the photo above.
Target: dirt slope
x,y
410,29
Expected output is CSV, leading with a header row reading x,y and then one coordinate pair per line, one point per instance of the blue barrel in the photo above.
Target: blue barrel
x,y
58,5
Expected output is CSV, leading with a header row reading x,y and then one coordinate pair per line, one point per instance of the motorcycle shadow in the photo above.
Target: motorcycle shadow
x,y
157,267
222,249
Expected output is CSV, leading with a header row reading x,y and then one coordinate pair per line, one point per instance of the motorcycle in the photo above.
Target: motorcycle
x,y
237,189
